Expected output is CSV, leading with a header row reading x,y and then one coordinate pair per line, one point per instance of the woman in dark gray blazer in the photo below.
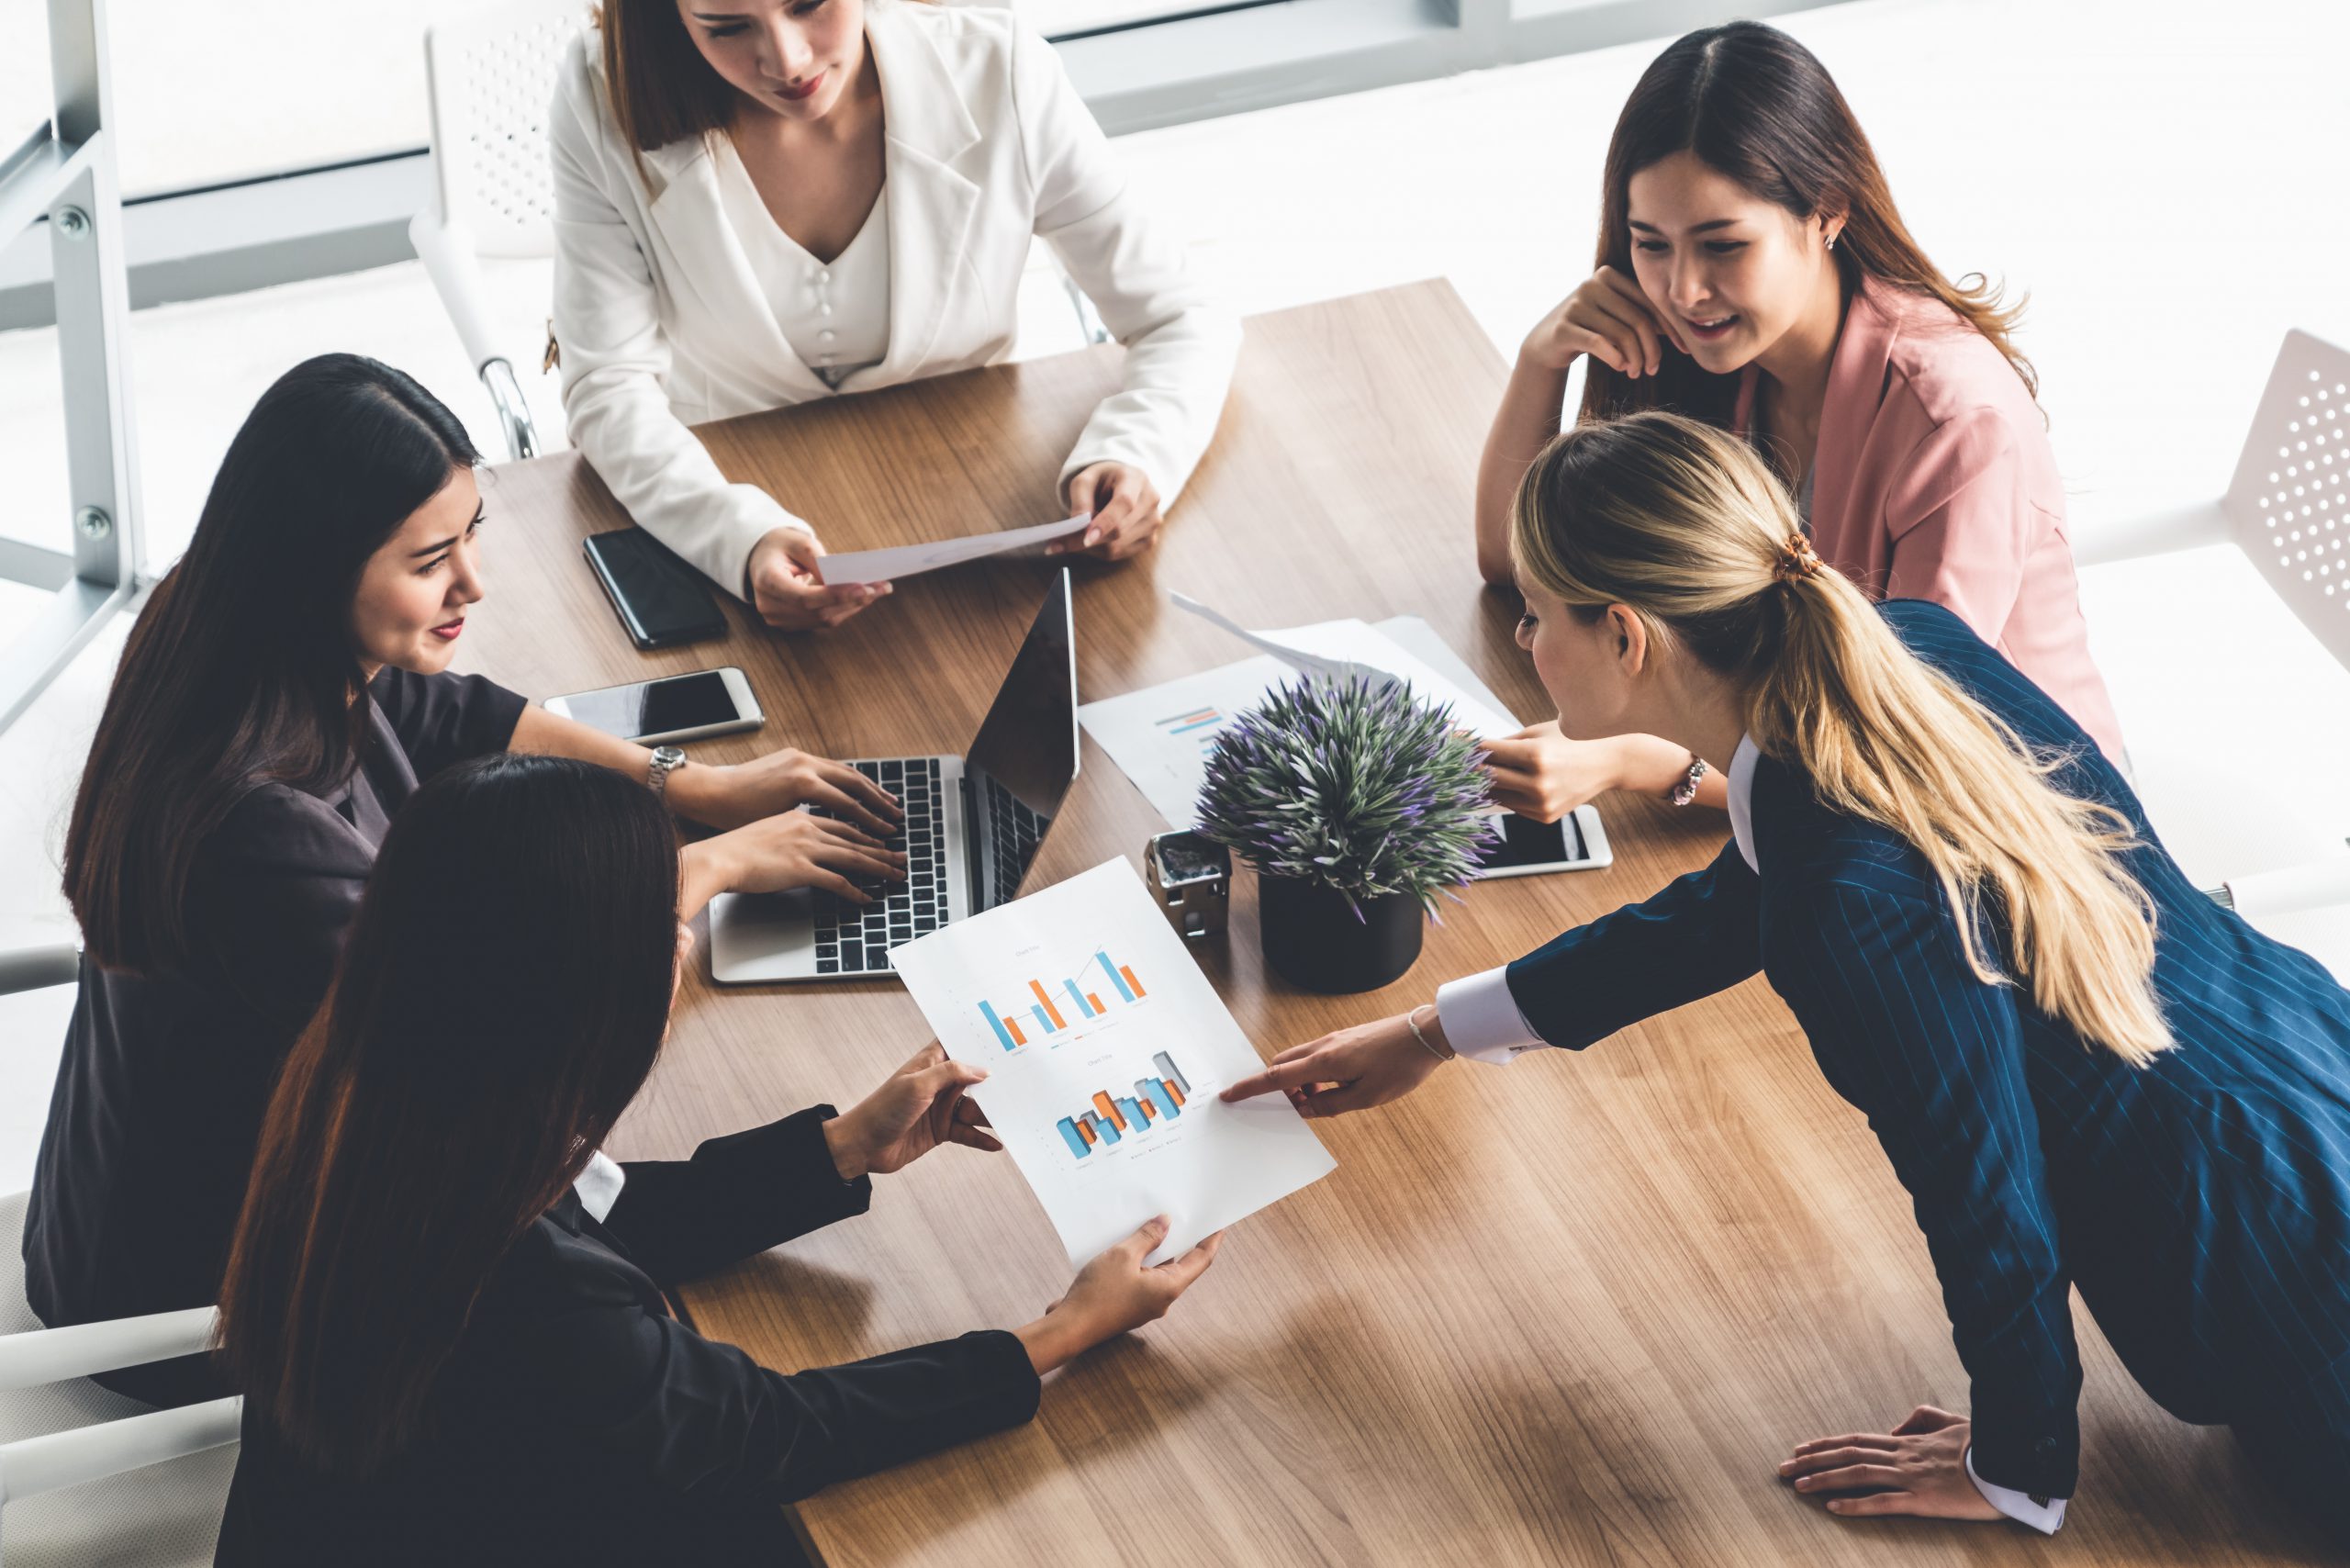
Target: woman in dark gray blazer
x,y
449,1314
2085,1072
280,696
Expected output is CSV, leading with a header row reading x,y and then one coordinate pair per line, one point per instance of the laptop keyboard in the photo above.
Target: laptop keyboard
x,y
853,938
1018,830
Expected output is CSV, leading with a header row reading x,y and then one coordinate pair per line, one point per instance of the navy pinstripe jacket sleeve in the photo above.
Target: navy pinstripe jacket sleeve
x,y
1699,936
1934,1058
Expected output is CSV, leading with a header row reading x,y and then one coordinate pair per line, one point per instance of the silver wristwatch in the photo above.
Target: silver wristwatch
x,y
666,759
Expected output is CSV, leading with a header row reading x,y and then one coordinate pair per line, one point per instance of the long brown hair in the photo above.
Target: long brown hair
x,y
501,998
241,666
1681,523
1756,106
661,89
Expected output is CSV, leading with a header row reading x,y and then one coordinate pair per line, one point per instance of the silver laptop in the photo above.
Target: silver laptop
x,y
973,823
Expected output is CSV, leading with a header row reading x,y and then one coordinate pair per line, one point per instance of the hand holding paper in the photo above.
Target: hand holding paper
x,y
1104,1047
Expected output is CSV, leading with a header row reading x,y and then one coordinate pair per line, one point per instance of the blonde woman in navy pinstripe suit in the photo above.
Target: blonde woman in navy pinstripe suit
x,y
2083,1071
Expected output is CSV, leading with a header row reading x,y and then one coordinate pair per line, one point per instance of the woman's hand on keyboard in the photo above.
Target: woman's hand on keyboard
x,y
731,796
790,849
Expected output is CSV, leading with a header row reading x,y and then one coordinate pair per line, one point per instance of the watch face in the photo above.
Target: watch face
x,y
1187,857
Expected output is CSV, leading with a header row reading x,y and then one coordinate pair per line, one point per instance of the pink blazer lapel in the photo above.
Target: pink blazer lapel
x,y
1856,375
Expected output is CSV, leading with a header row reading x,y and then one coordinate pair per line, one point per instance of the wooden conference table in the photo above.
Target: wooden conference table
x,y
1573,1311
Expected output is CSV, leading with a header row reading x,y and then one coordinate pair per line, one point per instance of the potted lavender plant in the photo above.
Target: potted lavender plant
x,y
1356,804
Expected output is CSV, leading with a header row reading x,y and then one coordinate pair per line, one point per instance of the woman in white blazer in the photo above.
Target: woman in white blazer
x,y
761,202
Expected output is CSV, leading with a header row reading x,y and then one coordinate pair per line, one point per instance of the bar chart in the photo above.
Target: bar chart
x,y
1045,1011
1116,1117
1193,720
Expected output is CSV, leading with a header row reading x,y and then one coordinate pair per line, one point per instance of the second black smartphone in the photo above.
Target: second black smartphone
x,y
660,600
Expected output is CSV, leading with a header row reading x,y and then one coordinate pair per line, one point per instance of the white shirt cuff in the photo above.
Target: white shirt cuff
x,y
1481,1018
2043,1514
599,1185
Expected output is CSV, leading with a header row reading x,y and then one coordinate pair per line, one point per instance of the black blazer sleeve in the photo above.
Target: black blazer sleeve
x,y
1699,936
1904,1029
442,720
737,1196
703,1420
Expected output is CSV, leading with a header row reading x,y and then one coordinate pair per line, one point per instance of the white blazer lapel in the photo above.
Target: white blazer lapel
x,y
707,258
931,201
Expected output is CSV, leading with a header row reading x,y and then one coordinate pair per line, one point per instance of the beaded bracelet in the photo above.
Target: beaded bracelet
x,y
1686,790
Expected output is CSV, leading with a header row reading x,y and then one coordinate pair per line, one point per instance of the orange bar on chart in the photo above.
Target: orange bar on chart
x,y
1046,1002
1172,1092
1093,1002
1132,984
1017,1038
1085,1130
1149,1111
1110,1113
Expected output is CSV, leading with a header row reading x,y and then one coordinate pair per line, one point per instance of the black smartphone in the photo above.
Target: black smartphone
x,y
660,600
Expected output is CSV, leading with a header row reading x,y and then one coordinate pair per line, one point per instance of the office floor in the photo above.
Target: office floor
x,y
2156,173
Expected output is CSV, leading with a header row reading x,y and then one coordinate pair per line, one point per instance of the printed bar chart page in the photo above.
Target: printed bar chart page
x,y
1105,1047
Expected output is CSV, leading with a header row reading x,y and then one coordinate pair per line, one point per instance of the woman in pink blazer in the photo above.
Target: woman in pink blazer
x,y
1755,273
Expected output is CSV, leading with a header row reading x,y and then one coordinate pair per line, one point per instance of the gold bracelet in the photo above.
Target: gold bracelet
x,y
1412,1022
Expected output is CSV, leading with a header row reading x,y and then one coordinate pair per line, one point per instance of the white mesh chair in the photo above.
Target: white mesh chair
x,y
490,77
88,1476
2287,508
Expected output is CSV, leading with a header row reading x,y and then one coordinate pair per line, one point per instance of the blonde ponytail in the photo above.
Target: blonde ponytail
x,y
1685,526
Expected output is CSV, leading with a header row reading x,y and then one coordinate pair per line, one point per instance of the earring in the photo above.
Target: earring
x,y
1831,241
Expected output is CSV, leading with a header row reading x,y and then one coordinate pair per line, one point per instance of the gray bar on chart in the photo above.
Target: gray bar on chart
x,y
1166,1065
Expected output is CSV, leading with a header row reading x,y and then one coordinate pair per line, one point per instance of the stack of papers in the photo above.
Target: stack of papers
x,y
1160,737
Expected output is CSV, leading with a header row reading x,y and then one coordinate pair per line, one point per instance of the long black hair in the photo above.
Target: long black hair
x,y
241,666
502,995
1753,105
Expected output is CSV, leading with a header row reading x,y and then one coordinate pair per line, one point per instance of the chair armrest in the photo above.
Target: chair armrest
x,y
2291,890
53,1355
2149,533
36,969
33,1465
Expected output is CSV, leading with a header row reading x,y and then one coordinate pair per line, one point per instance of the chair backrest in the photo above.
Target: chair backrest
x,y
87,1475
490,74
2288,506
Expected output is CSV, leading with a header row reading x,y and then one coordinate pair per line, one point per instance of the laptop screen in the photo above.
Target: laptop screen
x,y
1021,763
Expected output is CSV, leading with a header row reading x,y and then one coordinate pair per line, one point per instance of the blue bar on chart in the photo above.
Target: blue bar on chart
x,y
1083,1006
1075,1140
1042,1022
996,1024
1155,1091
1115,978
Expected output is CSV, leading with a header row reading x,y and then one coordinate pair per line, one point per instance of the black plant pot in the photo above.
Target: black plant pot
x,y
1314,939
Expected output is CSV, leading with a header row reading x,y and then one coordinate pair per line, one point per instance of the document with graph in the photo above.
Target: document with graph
x,y
1104,1047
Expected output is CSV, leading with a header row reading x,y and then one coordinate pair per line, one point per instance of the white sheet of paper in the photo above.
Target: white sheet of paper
x,y
1161,735
1345,648
1082,1006
908,560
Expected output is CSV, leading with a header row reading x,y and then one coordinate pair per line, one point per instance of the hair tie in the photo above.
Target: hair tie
x,y
1795,560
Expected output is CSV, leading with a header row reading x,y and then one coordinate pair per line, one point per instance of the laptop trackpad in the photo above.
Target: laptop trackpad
x,y
761,936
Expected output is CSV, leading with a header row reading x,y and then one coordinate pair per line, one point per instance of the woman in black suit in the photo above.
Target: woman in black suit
x,y
283,692
449,1314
